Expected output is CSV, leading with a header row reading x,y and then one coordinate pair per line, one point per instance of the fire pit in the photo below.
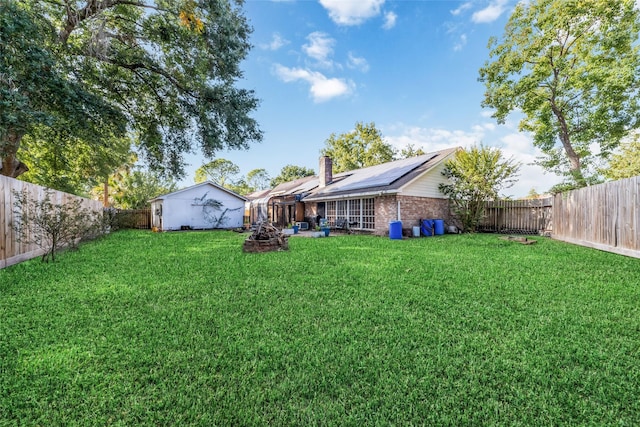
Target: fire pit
x,y
266,238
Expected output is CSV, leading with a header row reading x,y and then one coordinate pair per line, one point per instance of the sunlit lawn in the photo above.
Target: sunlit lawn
x,y
186,329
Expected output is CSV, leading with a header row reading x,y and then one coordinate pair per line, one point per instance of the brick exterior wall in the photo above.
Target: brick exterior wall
x,y
412,209
325,173
310,213
386,211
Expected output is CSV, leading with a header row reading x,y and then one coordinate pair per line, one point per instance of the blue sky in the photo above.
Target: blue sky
x,y
411,67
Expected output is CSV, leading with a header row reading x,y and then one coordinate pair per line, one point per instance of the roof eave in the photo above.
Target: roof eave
x,y
361,194
440,161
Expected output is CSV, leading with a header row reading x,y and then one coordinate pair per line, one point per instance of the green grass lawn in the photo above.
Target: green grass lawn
x,y
186,329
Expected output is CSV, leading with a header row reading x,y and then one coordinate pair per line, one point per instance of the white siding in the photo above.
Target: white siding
x,y
183,209
427,184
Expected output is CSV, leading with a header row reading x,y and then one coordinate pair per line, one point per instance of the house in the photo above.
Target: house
x,y
283,204
370,198
366,199
255,208
201,206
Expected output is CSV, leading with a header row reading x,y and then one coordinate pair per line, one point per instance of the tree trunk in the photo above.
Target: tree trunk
x,y
10,165
574,160
105,201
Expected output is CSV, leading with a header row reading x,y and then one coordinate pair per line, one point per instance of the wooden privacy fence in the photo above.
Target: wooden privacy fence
x,y
12,251
517,216
133,218
605,216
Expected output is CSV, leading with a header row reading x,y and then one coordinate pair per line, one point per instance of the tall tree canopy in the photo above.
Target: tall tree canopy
x,y
57,159
165,70
258,179
411,151
221,171
357,149
136,188
39,89
227,174
626,162
291,173
571,67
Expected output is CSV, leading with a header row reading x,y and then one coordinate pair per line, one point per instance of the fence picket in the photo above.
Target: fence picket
x,y
517,216
12,251
605,217
134,218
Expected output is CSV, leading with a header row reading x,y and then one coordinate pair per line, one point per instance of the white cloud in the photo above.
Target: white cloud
x,y
462,8
490,13
320,48
519,144
357,63
484,127
277,41
433,139
390,19
321,88
354,12
461,43
520,147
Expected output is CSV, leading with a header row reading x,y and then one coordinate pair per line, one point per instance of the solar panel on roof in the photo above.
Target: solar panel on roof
x,y
307,186
380,175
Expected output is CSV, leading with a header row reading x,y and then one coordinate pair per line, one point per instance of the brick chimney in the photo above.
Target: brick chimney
x,y
326,171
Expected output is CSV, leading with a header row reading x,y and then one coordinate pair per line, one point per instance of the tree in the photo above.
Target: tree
x,y
165,69
241,187
571,68
410,151
258,179
57,159
220,171
475,176
357,149
111,184
626,162
291,173
532,194
135,189
36,89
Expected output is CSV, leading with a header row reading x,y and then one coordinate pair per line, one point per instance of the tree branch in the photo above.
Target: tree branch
x,y
94,8
157,70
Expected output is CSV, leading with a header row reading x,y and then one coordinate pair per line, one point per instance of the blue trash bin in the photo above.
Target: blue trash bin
x,y
395,230
438,227
427,227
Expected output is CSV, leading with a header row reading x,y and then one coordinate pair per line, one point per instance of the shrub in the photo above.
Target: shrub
x,y
474,176
52,226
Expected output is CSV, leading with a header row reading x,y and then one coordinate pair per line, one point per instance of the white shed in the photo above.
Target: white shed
x,y
201,206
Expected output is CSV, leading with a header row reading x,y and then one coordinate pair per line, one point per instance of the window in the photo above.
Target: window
x,y
368,214
341,209
359,212
354,212
331,212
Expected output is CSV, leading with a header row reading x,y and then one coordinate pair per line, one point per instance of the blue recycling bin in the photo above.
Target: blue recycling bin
x,y
395,230
438,227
